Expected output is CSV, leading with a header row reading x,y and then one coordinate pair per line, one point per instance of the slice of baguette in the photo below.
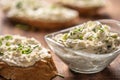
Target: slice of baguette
x,y
41,70
84,9
48,17
23,58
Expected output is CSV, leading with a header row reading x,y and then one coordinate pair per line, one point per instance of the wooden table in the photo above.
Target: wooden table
x,y
112,72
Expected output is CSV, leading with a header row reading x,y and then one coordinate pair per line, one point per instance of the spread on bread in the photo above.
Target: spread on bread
x,y
37,10
21,51
84,3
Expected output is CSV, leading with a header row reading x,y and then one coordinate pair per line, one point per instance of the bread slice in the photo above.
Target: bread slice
x,y
41,70
24,58
85,7
85,11
43,24
48,17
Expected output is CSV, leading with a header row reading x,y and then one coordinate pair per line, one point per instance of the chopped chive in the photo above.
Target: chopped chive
x,y
9,49
27,51
19,5
20,47
65,36
81,37
94,30
1,54
36,46
0,43
23,27
8,37
8,44
101,29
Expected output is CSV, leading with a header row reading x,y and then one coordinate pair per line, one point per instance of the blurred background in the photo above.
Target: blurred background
x,y
51,20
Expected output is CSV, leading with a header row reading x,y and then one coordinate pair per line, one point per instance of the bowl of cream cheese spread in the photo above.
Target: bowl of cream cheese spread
x,y
89,47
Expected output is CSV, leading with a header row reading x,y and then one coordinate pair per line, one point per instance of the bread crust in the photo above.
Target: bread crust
x,y
42,24
41,70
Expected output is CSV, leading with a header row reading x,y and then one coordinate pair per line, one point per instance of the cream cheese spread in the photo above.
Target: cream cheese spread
x,y
20,51
41,11
84,3
90,37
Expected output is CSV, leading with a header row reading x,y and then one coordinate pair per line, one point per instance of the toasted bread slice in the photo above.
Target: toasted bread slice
x,y
43,24
85,7
49,16
24,58
41,70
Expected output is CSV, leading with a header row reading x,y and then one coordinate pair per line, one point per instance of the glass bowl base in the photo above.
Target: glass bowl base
x,y
85,71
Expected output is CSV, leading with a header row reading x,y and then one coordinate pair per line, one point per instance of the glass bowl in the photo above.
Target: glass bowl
x,y
84,63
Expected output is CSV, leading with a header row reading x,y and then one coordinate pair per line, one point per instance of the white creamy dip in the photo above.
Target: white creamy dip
x,y
41,11
88,47
91,37
20,51
84,3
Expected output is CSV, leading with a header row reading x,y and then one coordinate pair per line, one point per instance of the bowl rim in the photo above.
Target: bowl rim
x,y
47,37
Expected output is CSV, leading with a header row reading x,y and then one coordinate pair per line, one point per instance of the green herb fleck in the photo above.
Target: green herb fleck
x,y
19,5
114,35
80,29
90,37
20,47
94,30
101,29
0,43
8,37
1,54
23,27
65,36
23,49
81,37
9,49
27,51
8,44
36,46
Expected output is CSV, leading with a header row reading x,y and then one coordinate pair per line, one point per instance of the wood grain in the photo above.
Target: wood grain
x,y
112,72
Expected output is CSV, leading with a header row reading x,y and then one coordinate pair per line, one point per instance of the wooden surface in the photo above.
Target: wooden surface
x,y
112,72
